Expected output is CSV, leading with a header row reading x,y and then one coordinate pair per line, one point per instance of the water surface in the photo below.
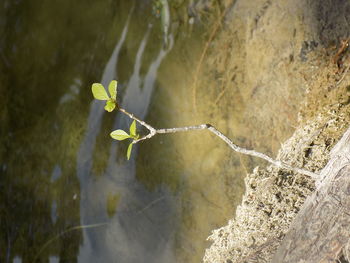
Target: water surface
x,y
67,192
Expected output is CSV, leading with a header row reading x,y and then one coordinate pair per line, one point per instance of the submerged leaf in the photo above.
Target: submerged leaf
x,y
110,105
99,92
112,88
128,153
119,135
133,129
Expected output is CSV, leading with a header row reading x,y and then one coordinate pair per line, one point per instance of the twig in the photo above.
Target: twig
x,y
212,129
65,232
216,27
220,95
342,78
343,46
131,116
151,204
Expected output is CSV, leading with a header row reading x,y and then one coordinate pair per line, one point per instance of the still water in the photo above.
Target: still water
x,y
67,192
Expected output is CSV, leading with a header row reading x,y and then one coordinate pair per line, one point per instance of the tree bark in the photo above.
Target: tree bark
x,y
322,227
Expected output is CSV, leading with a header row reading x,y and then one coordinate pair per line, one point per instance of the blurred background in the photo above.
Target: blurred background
x,y
67,192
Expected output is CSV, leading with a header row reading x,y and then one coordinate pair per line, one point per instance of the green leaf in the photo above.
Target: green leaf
x,y
99,92
133,129
128,153
112,88
110,105
119,135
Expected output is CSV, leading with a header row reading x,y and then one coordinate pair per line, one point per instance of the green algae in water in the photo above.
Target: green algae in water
x,y
112,203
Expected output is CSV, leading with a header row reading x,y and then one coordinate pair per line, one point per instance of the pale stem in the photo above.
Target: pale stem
x,y
212,129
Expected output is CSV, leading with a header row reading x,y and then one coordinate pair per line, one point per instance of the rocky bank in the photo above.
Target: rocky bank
x,y
284,65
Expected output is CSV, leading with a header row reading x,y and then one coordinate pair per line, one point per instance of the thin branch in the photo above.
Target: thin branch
x,y
131,116
212,129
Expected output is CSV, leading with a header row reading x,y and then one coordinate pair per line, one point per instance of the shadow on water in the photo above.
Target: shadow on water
x,y
67,193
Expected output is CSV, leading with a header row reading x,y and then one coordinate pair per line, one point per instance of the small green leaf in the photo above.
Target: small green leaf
x,y
110,105
133,129
99,92
128,153
112,88
119,135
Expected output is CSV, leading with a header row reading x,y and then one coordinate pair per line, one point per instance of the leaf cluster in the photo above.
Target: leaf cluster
x,y
99,93
121,135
